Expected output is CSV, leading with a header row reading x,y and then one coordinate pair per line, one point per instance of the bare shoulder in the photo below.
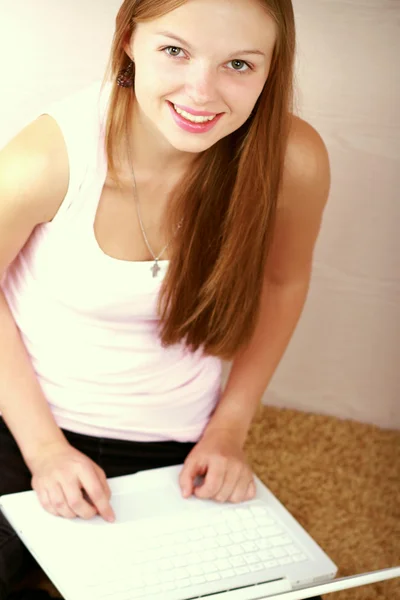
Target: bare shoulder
x,y
307,159
302,200
34,179
34,168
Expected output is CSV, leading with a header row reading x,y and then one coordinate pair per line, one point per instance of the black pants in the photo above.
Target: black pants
x,y
114,456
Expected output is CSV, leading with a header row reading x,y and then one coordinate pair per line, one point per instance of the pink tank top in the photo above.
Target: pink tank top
x,y
88,321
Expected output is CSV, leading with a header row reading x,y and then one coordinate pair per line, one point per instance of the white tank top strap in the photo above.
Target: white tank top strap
x,y
80,117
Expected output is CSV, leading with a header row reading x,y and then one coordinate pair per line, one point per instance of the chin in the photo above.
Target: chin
x,y
194,145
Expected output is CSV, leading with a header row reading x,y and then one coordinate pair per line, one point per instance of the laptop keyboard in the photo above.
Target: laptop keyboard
x,y
196,553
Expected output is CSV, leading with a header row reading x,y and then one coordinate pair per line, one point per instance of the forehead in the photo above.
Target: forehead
x,y
220,25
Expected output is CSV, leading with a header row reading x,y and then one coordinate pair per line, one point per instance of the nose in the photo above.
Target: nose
x,y
201,85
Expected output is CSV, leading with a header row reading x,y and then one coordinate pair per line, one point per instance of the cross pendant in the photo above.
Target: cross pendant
x,y
155,268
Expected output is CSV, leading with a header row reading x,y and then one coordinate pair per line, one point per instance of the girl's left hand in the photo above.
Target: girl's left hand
x,y
220,459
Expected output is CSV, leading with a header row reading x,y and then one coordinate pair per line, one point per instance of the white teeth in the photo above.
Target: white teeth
x,y
192,118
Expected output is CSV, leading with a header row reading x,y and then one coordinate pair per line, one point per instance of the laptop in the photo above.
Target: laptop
x,y
165,547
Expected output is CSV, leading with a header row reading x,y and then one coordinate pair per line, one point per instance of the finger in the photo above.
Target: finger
x,y
242,490
44,500
59,501
191,469
103,480
92,485
76,501
232,478
252,491
214,479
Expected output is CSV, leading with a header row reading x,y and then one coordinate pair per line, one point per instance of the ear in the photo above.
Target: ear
x,y
128,50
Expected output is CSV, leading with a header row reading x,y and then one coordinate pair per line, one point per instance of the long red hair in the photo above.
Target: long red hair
x,y
211,293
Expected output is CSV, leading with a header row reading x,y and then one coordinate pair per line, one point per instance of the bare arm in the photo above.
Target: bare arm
x,y
30,193
304,197
22,403
34,178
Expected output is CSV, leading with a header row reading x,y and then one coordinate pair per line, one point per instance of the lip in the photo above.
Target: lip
x,y
193,127
195,113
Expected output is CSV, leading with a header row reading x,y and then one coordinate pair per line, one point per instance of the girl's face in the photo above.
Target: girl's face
x,y
207,56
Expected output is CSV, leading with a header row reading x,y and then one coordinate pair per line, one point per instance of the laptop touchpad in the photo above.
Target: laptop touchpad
x,y
146,504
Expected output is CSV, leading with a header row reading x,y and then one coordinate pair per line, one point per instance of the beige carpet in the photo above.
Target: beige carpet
x,y
341,481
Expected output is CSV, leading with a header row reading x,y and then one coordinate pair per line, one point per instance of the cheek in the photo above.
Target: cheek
x,y
246,99
241,92
147,90
153,86
241,104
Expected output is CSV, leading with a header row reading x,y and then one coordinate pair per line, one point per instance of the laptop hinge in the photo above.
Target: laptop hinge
x,y
253,592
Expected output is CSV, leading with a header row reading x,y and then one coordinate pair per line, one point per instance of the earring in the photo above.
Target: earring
x,y
125,77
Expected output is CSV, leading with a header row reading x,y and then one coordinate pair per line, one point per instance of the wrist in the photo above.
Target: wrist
x,y
43,448
235,432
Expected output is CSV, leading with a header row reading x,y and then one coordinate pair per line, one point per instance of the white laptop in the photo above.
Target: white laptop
x,y
165,547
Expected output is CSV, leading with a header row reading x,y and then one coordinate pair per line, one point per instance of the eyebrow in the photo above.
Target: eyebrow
x,y
184,43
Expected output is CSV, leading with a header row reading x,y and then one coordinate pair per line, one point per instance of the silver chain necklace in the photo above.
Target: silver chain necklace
x,y
155,268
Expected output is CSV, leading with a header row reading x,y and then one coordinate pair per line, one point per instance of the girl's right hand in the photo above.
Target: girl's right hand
x,y
62,475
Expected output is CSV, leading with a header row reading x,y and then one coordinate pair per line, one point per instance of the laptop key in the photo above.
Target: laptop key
x,y
182,583
154,589
257,567
299,557
249,547
292,549
282,540
244,513
195,570
265,521
287,560
235,550
195,535
270,531
252,534
277,552
224,540
213,576
262,544
268,564
194,559
209,568
222,528
227,573
180,573
259,511
165,564
237,537
251,559
179,561
242,570
198,580
237,561
222,564
168,586
266,555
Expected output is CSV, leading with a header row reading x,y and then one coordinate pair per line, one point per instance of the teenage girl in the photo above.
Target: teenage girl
x,y
150,227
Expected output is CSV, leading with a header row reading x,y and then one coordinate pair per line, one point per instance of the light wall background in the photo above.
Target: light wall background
x,y
344,358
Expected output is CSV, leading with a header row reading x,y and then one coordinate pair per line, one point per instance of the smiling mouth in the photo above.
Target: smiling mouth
x,y
192,118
